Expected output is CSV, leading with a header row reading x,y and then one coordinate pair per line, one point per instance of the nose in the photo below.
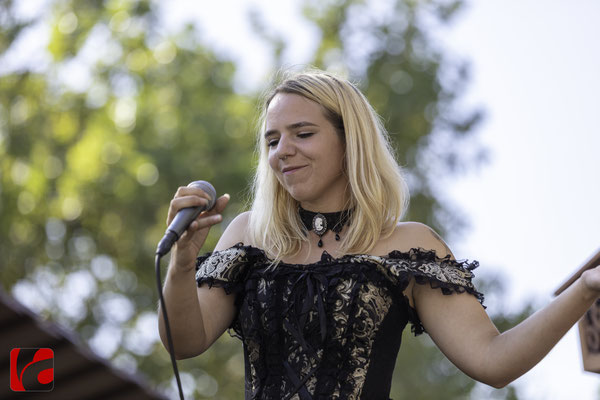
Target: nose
x,y
285,147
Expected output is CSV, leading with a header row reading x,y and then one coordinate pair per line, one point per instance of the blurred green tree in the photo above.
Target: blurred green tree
x,y
98,131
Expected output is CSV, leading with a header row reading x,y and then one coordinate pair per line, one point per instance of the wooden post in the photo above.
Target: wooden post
x,y
589,324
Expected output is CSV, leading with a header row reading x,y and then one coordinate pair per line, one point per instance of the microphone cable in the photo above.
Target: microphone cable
x,y
167,326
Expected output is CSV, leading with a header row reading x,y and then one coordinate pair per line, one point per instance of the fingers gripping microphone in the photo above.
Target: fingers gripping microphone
x,y
184,218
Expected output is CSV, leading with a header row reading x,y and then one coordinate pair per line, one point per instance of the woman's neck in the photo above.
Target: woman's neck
x,y
324,207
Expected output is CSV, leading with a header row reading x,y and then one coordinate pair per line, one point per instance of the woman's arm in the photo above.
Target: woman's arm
x,y
465,334
197,316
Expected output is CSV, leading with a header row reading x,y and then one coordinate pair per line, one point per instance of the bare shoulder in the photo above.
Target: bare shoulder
x,y
236,232
409,235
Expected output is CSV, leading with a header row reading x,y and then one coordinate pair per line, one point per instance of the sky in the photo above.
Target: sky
x,y
534,209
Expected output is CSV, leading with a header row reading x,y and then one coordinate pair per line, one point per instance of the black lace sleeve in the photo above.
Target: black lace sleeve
x,y
450,276
225,269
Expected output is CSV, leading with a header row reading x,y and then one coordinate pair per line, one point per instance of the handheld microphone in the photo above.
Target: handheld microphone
x,y
184,218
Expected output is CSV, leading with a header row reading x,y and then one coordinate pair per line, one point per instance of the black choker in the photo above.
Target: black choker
x,y
320,223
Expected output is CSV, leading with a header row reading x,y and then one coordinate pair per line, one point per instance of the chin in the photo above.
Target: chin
x,y
299,195
305,192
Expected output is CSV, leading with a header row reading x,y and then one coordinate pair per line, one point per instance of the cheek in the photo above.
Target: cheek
x,y
272,161
339,157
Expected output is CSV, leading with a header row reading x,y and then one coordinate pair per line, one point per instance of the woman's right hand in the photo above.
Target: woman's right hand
x,y
186,249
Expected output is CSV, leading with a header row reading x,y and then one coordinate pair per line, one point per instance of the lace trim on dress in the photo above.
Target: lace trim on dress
x,y
229,269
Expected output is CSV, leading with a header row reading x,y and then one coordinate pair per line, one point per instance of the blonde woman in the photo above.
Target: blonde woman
x,y
320,277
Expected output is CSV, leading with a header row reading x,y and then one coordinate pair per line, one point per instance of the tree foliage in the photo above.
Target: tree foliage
x,y
97,135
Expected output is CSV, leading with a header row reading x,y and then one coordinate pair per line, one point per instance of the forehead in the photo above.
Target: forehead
x,y
287,108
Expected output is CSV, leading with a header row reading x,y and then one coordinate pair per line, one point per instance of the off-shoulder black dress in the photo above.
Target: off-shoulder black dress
x,y
330,329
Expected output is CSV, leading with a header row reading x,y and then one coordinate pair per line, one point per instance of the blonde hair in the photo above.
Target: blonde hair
x,y
378,193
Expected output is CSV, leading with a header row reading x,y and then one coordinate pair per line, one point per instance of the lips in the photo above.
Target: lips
x,y
291,169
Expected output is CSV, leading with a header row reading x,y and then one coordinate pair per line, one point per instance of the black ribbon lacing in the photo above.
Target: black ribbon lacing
x,y
298,311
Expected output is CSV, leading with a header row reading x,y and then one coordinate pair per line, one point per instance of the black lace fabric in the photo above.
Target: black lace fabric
x,y
330,329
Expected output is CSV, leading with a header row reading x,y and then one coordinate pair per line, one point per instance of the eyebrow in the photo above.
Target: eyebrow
x,y
295,125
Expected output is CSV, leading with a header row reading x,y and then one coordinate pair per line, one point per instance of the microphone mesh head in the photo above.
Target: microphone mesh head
x,y
208,189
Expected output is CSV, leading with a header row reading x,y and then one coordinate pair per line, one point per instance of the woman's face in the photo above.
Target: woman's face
x,y
305,152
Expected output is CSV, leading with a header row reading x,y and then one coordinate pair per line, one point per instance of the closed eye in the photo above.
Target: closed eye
x,y
301,135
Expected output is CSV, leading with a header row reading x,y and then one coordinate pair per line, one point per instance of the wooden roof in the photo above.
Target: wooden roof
x,y
78,373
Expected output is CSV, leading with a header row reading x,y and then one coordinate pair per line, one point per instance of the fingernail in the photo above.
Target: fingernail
x,y
227,195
